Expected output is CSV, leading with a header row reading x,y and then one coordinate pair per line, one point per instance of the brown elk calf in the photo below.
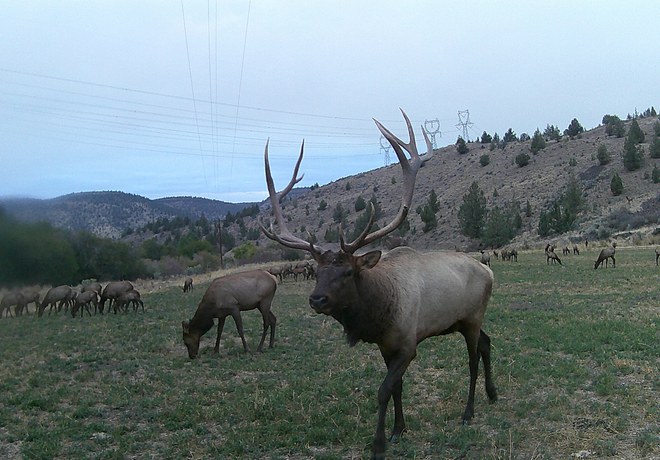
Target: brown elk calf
x,y
230,295
131,297
82,301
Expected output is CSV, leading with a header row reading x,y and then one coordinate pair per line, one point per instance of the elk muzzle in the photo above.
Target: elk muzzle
x,y
319,303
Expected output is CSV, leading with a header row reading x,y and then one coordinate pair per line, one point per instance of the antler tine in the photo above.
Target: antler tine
x,y
347,247
409,169
285,237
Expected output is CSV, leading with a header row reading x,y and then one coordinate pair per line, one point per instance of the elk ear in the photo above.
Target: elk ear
x,y
368,260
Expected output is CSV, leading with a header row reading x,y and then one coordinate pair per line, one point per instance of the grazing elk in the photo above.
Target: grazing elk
x,y
62,294
230,295
82,303
550,254
657,255
606,253
576,250
127,298
9,300
26,298
397,299
111,292
485,258
188,285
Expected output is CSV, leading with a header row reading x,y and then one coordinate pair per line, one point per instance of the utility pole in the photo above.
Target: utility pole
x,y
432,128
464,123
218,226
385,149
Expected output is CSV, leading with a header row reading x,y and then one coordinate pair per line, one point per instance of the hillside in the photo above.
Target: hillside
x,y
448,173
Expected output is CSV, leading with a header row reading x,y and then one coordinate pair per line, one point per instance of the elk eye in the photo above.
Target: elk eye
x,y
348,273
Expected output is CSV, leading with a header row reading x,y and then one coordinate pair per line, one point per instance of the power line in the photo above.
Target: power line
x,y
192,86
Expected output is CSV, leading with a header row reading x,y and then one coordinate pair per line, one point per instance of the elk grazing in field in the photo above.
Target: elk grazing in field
x,y
606,253
576,250
9,300
550,254
657,255
188,285
82,303
485,258
127,298
56,297
27,297
397,299
230,295
111,292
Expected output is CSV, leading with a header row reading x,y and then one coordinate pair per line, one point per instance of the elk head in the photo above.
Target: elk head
x,y
191,340
338,271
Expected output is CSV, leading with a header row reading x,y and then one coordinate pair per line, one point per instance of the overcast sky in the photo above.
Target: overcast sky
x,y
166,98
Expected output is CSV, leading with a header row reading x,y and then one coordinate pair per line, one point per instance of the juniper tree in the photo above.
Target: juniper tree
x,y
472,213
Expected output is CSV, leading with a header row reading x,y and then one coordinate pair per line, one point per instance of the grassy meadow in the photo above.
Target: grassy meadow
x,y
576,354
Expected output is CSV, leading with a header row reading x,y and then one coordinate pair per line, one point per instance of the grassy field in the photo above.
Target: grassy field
x,y
576,357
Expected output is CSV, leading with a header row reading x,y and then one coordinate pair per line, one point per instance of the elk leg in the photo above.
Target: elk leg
x,y
221,325
472,342
239,327
397,363
399,422
273,321
266,324
484,352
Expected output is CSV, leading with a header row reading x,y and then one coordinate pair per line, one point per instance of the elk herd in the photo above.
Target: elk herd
x,y
119,295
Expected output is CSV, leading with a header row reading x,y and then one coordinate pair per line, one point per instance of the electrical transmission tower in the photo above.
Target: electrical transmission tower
x,y
432,128
385,148
464,123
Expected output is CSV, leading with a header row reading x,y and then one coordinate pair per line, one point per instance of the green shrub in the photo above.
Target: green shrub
x,y
522,159
616,185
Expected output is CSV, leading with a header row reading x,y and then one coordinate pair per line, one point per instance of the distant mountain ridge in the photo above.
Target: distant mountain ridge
x,y
108,214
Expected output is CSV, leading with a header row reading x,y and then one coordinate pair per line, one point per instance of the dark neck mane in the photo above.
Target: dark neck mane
x,y
371,315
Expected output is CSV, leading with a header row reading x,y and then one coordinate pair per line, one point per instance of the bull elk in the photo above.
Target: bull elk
x,y
230,295
607,253
396,299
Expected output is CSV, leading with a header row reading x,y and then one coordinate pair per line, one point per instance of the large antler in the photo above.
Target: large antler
x,y
285,237
409,170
